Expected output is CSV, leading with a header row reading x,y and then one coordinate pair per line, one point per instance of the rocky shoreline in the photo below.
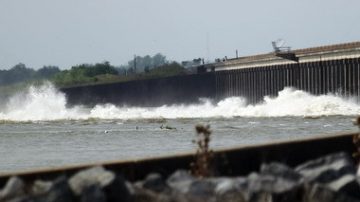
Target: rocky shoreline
x,y
329,178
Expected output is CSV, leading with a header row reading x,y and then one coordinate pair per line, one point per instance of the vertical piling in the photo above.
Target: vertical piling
x,y
336,76
350,76
277,80
357,67
327,71
271,80
305,77
323,70
238,73
333,76
296,75
346,77
242,82
317,77
261,82
302,74
319,82
267,81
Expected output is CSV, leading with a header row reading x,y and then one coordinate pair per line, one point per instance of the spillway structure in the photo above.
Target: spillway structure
x,y
320,70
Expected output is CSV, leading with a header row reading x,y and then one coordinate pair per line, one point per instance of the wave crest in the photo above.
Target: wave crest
x,y
46,103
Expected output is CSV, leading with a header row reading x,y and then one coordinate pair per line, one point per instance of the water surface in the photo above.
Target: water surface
x,y
39,130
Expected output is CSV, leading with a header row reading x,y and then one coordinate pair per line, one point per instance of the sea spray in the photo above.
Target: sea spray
x,y
39,103
46,103
292,102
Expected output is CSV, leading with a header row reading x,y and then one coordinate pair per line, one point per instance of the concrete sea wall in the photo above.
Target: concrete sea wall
x,y
150,92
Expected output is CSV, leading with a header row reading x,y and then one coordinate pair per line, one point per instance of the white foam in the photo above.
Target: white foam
x,y
46,103
39,103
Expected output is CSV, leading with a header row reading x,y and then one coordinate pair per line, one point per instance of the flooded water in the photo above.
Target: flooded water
x,y
38,130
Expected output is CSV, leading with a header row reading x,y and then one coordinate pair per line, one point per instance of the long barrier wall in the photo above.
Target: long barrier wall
x,y
330,69
150,92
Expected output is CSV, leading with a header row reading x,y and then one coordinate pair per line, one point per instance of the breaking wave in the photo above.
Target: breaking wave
x,y
46,103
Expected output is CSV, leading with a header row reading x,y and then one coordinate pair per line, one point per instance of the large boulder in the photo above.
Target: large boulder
x,y
155,182
88,177
180,181
320,193
231,190
114,186
40,187
119,190
93,193
14,188
275,182
335,171
60,191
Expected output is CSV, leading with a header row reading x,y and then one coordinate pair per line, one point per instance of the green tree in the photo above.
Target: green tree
x,y
146,61
171,69
158,60
85,73
18,73
47,72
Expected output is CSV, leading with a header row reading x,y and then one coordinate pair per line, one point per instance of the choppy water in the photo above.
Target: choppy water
x,y
37,130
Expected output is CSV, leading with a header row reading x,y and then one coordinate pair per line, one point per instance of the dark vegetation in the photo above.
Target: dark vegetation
x,y
84,73
20,76
21,73
202,166
145,67
143,64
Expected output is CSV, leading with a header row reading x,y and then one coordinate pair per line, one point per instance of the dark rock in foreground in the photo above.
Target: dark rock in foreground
x,y
330,178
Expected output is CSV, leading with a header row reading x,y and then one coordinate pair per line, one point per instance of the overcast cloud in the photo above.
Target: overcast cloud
x,y
69,32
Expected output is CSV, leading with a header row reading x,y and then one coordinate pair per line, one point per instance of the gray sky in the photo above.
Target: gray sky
x,y
70,32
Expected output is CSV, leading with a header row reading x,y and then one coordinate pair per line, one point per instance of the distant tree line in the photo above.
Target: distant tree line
x,y
21,73
168,69
143,64
140,67
84,73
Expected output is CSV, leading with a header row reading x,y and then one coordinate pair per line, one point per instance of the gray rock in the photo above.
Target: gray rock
x,y
119,190
155,182
336,171
93,194
276,182
180,175
186,187
146,195
347,184
92,176
40,187
22,199
60,191
202,188
180,181
231,190
272,184
262,197
328,168
14,188
280,170
224,185
320,193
